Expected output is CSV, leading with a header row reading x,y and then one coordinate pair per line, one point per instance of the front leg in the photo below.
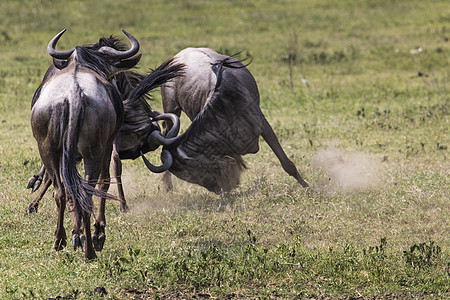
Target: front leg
x,y
166,180
117,171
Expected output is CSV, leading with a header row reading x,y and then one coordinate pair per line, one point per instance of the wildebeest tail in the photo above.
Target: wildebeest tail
x,y
233,62
229,62
157,77
80,191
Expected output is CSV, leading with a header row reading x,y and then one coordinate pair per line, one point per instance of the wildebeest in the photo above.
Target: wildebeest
x,y
133,136
77,112
125,82
219,94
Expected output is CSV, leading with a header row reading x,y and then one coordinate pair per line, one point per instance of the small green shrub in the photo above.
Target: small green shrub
x,y
423,255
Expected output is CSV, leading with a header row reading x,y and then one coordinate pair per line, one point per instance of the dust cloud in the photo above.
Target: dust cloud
x,y
347,171
142,191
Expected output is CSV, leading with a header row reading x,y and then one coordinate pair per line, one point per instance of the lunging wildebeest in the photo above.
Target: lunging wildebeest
x,y
219,94
77,112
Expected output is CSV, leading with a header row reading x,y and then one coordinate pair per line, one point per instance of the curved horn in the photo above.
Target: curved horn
x,y
167,159
122,54
171,137
56,54
176,123
156,138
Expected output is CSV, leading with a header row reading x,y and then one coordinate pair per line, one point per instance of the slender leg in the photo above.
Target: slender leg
x,y
35,181
99,235
60,198
60,233
288,166
166,179
33,206
117,171
89,252
78,238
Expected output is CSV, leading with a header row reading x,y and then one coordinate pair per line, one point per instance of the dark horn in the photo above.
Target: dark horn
x,y
176,124
56,54
167,159
156,138
122,54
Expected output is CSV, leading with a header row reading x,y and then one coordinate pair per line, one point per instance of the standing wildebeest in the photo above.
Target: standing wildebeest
x,y
77,112
132,138
220,96
125,82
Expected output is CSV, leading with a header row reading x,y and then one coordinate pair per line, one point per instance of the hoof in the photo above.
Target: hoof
x,y
90,256
34,183
79,241
98,241
312,190
33,208
124,208
167,188
83,242
99,237
60,244
76,242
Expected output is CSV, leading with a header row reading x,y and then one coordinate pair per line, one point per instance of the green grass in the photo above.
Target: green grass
x,y
340,87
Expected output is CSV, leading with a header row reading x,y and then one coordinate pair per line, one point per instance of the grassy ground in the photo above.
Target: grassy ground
x,y
357,92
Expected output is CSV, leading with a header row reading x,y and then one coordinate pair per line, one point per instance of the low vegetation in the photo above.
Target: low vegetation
x,y
358,94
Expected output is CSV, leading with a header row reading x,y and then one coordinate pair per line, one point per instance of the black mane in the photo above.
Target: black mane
x,y
101,63
113,42
97,62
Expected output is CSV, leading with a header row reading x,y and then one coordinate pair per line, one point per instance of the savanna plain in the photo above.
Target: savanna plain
x,y
358,94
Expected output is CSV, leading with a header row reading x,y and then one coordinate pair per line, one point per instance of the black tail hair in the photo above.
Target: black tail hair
x,y
234,61
157,77
229,62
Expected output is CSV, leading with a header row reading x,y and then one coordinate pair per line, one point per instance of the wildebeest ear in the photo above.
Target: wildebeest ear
x,y
129,62
60,63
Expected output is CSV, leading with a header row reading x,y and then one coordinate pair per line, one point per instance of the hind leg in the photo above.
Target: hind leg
x,y
99,236
78,238
33,206
288,166
60,233
52,166
51,162
89,252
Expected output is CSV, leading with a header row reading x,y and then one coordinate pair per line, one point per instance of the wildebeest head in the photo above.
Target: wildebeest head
x,y
106,57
